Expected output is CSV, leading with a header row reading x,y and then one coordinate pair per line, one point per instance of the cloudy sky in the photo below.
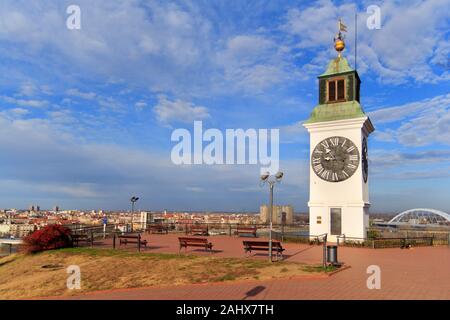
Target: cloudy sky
x,y
86,115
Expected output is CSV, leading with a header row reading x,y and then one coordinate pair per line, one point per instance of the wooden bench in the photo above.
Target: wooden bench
x,y
250,246
133,239
246,231
198,230
83,237
195,242
158,228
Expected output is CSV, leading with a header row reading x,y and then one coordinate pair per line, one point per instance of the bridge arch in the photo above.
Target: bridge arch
x,y
421,215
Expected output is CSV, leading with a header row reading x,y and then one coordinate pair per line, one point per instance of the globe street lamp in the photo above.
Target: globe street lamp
x,y
133,200
271,180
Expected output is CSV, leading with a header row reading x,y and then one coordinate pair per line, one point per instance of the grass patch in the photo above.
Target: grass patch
x,y
22,276
93,252
227,277
319,268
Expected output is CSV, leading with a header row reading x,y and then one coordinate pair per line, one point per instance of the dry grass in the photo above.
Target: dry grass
x,y
23,276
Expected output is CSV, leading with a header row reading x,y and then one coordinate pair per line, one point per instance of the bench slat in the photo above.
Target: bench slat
x,y
250,246
195,242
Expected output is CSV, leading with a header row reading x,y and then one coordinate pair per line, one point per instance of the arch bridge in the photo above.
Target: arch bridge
x,y
421,216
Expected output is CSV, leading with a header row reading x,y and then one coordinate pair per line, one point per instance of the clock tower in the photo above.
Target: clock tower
x,y
339,129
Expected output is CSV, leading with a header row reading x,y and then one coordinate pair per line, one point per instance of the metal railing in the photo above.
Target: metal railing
x,y
230,229
440,237
392,242
324,255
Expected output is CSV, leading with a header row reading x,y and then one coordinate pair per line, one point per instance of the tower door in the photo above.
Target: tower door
x,y
336,221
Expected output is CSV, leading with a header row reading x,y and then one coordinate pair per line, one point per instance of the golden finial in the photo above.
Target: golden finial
x,y
339,43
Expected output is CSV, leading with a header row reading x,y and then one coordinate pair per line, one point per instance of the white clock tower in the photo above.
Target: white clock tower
x,y
339,128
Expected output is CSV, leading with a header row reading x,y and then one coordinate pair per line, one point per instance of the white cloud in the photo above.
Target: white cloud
x,y
140,104
419,123
167,111
253,63
84,95
33,103
195,189
315,25
76,190
395,158
395,113
156,44
79,174
110,104
27,89
396,43
294,133
245,49
413,36
19,111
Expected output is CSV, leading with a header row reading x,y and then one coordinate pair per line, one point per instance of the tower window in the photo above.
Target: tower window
x,y
336,90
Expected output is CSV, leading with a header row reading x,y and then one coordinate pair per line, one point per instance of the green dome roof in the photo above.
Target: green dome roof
x,y
338,65
336,111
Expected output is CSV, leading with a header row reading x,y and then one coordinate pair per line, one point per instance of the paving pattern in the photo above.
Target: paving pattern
x,y
417,273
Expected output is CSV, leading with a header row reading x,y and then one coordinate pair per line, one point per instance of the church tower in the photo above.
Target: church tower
x,y
339,128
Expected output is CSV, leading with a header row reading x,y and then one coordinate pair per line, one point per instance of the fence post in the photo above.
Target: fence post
x,y
139,242
92,239
114,241
325,251
229,232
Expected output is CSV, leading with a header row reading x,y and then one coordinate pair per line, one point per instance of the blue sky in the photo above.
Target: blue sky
x,y
86,115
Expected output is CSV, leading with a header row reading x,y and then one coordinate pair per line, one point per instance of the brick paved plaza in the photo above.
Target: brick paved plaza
x,y
417,273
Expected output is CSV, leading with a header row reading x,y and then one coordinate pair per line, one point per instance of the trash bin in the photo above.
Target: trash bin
x,y
332,255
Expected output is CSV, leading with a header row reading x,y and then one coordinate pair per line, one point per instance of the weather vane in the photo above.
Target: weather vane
x,y
339,43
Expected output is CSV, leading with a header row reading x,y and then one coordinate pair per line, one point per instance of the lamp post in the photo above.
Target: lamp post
x,y
133,200
266,178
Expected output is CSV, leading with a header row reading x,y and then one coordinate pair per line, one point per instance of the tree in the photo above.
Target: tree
x,y
48,238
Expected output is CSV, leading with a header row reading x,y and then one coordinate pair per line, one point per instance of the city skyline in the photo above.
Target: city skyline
x,y
86,115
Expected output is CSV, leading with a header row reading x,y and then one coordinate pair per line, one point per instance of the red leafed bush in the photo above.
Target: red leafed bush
x,y
48,238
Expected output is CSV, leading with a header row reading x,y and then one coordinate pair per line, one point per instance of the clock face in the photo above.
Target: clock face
x,y
365,160
335,159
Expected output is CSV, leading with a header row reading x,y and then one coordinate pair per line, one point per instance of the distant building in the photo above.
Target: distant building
x,y
146,218
20,230
280,215
5,230
34,208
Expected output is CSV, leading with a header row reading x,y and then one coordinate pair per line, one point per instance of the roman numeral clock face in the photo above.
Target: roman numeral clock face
x,y
335,159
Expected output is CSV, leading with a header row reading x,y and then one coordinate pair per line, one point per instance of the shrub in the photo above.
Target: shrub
x,y
48,238
373,234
